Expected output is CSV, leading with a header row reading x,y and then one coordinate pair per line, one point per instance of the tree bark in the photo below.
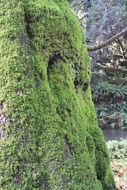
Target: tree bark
x,y
107,42
49,137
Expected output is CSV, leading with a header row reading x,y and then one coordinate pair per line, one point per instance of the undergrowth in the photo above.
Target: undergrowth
x,y
118,155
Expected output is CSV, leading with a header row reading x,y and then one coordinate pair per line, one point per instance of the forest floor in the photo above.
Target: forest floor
x,y
118,154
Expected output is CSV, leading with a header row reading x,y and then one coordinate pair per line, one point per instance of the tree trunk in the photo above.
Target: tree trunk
x,y
49,138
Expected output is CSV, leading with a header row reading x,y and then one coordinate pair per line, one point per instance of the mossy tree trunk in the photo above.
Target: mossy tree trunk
x,y
49,138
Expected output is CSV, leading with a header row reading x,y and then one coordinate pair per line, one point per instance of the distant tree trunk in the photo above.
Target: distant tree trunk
x,y
49,138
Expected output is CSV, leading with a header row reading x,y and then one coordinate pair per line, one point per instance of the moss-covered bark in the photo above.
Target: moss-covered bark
x,y
49,139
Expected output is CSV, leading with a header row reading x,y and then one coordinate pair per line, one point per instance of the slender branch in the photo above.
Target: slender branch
x,y
109,41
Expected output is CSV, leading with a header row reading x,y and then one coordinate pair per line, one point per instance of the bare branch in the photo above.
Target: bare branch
x,y
109,41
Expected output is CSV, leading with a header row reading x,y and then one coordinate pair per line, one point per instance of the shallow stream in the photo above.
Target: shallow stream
x,y
114,134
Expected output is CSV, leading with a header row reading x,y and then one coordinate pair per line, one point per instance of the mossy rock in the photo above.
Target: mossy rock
x,y
49,137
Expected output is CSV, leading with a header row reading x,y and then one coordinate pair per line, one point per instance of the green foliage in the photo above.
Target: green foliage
x,y
112,115
106,89
117,149
111,104
120,118
119,91
120,107
101,110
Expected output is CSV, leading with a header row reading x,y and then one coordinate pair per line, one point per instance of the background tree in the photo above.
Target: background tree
x,y
49,138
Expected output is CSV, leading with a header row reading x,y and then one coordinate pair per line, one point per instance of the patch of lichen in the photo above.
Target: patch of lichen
x,y
49,135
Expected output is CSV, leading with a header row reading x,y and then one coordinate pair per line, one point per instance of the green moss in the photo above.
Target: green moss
x,y
49,134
